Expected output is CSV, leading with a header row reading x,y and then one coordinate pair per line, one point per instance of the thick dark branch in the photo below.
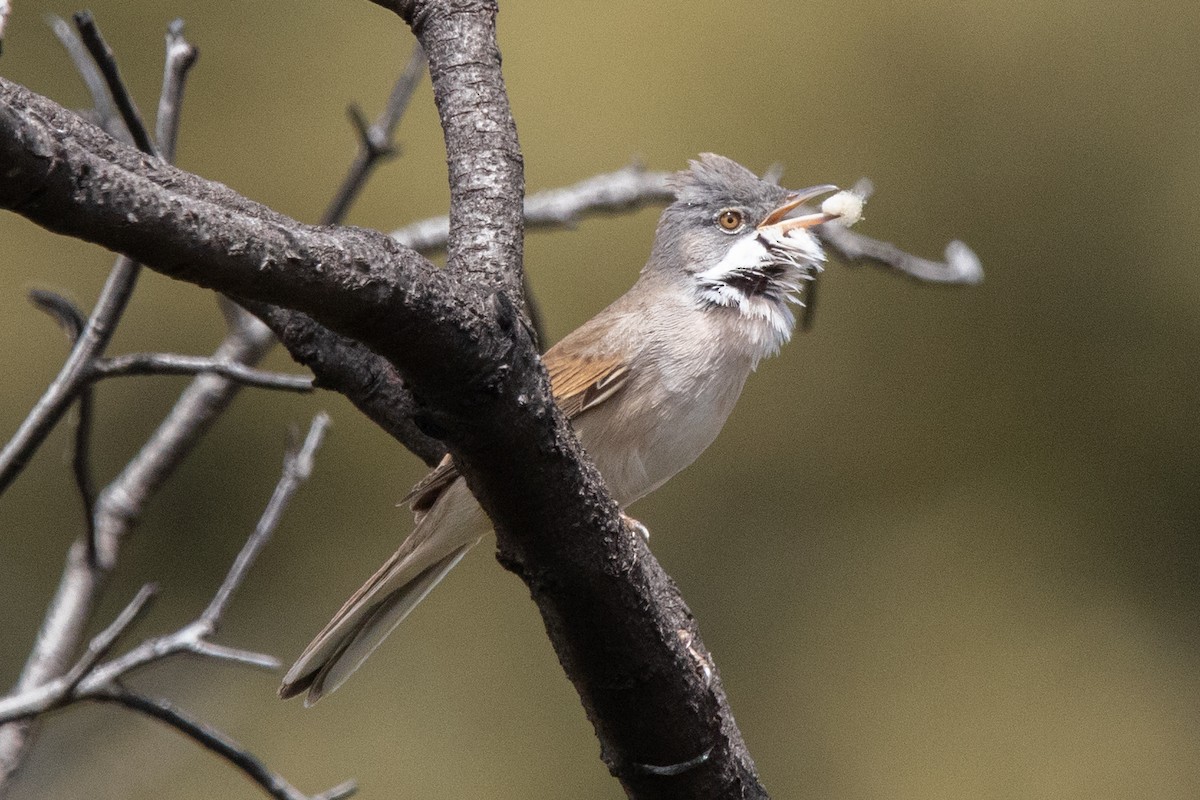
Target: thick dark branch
x,y
486,169
343,365
621,630
614,617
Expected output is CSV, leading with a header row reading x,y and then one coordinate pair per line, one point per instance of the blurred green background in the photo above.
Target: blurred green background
x,y
946,547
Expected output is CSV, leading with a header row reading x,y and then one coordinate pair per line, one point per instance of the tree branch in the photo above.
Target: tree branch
x,y
375,142
625,189
181,57
175,364
102,54
215,741
73,322
90,680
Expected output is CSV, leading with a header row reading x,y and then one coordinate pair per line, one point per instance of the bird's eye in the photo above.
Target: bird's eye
x,y
730,219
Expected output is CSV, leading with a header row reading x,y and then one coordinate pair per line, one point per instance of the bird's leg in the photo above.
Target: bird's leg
x,y
636,527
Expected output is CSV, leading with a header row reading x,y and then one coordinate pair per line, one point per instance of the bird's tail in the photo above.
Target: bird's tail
x,y
438,543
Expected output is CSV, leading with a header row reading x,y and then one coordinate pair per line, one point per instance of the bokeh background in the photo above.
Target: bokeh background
x,y
946,547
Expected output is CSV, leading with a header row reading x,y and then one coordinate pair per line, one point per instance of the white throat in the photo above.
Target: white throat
x,y
760,277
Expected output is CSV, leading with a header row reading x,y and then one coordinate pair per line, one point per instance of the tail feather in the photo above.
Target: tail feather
x,y
349,639
444,533
384,619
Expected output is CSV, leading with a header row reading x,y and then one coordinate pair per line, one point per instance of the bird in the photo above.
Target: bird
x,y
647,383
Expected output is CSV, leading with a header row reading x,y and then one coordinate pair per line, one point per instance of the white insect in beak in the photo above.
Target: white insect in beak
x,y
845,208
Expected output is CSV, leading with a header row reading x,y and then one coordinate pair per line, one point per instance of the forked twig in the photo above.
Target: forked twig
x,y
375,141
89,679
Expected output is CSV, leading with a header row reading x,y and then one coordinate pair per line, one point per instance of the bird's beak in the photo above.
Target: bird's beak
x,y
776,223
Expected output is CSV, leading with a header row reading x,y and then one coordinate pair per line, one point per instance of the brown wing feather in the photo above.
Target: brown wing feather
x,y
577,384
582,383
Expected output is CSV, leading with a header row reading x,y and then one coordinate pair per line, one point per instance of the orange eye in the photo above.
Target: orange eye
x,y
730,219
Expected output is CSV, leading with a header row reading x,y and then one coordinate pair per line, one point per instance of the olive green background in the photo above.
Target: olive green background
x,y
947,546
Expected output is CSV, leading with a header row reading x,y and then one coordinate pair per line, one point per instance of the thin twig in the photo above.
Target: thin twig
x,y
102,54
181,57
62,690
113,298
626,189
73,322
106,114
632,187
961,265
121,280
217,742
375,142
133,364
66,385
88,678
297,467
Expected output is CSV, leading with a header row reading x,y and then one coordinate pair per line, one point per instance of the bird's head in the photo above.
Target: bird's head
x,y
739,242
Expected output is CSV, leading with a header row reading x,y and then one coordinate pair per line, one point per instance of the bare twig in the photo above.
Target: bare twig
x,y
633,187
102,54
113,298
375,142
100,645
106,114
297,467
87,678
626,189
130,364
961,265
181,57
66,385
73,322
62,690
217,742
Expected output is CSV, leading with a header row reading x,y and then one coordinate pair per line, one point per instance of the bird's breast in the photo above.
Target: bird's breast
x,y
687,381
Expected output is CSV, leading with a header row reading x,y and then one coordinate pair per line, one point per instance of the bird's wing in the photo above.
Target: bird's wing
x,y
578,384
